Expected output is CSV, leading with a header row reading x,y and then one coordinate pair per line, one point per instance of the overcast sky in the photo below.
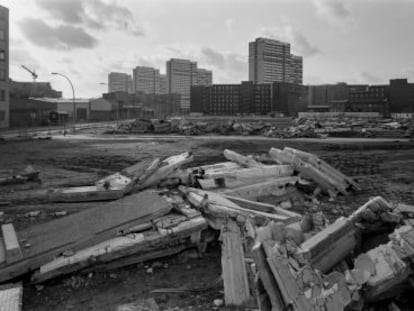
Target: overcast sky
x,y
356,41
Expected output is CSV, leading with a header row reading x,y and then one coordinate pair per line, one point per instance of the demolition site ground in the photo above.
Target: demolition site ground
x,y
383,168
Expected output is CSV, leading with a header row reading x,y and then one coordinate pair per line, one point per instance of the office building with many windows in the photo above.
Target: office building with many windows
x,y
182,74
119,82
271,61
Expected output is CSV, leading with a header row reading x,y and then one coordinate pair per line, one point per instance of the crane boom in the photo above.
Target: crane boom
x,y
32,72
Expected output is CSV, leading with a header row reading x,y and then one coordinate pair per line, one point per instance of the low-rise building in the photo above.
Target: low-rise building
x,y
248,98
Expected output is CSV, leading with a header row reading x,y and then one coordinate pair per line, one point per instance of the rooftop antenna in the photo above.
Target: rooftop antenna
x,y
32,72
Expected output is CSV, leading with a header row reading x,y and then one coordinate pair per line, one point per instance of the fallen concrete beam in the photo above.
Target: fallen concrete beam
x,y
151,243
330,246
273,186
261,207
165,168
323,166
241,159
244,176
218,206
236,286
41,243
266,276
11,297
328,184
11,244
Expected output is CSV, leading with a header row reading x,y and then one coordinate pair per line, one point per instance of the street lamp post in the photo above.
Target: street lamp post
x,y
73,97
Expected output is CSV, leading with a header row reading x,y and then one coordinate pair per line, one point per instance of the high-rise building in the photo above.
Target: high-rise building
x,y
146,80
271,61
4,67
181,75
163,84
119,82
204,77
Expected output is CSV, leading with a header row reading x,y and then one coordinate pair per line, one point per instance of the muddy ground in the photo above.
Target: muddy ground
x,y
382,168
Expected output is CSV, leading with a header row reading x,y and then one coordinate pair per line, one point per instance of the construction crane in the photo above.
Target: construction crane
x,y
32,72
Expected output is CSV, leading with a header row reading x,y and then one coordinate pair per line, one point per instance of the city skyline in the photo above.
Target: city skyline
x,y
339,40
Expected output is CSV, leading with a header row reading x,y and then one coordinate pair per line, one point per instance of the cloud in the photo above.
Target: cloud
x,y
64,37
230,23
95,14
227,67
331,9
299,43
367,77
213,57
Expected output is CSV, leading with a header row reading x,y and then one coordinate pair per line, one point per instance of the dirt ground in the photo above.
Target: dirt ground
x,y
382,168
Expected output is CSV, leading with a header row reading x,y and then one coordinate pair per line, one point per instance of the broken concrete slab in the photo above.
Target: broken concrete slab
x,y
83,229
331,245
11,297
145,245
241,159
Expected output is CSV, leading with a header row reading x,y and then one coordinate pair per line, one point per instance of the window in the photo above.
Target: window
x,y
2,115
2,55
2,75
3,95
2,34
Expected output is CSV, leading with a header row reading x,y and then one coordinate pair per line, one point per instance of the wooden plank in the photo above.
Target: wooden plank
x,y
11,297
274,186
11,243
83,229
268,281
236,286
241,159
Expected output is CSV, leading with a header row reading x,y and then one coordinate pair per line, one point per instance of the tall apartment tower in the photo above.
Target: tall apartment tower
x,y
163,84
181,75
271,61
147,80
4,67
119,82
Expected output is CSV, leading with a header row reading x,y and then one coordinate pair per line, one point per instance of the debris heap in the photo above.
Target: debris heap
x,y
272,257
298,128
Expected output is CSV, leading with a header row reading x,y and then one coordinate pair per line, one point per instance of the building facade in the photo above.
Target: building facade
x,y
363,98
163,84
146,80
18,89
248,98
320,96
271,61
182,74
401,96
4,67
119,82
204,77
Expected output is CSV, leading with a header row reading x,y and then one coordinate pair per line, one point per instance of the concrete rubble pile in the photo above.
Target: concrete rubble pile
x,y
298,128
272,257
